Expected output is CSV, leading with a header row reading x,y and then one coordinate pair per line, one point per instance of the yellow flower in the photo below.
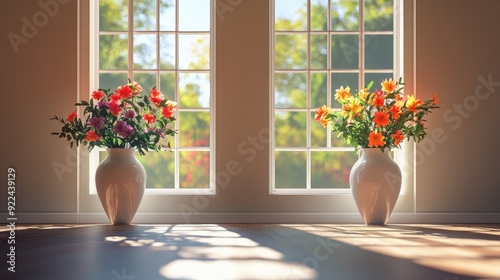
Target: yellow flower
x,y
413,103
342,93
352,107
363,94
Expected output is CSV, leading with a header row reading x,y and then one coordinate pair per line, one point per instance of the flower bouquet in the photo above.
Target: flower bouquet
x,y
123,118
378,119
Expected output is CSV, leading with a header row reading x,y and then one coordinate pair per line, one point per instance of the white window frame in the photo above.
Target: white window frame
x,y
399,155
94,81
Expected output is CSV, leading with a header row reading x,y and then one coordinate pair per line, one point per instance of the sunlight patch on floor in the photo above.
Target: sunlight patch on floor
x,y
467,250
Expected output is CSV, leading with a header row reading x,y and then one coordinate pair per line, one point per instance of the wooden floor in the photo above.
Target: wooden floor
x,y
253,251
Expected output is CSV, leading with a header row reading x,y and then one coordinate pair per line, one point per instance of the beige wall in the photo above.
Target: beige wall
x,y
456,43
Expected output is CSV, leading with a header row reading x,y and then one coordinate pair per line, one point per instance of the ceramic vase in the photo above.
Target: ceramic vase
x,y
375,181
120,181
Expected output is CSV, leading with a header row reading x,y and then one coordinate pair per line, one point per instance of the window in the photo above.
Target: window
x,y
167,43
319,45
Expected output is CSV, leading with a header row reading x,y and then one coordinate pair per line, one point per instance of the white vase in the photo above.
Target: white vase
x,y
120,181
375,182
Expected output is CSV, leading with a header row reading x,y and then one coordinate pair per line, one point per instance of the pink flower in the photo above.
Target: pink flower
x,y
114,108
168,111
71,116
156,96
129,114
124,92
97,95
149,118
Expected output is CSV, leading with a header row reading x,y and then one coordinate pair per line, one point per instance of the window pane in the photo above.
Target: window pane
x,y
194,169
194,15
144,14
194,52
345,51
290,169
319,89
344,14
167,85
194,90
378,15
113,52
167,51
318,133
112,80
194,129
112,15
290,51
337,141
345,80
146,80
331,169
319,51
144,51
379,52
290,15
160,167
319,15
290,90
167,15
377,78
290,128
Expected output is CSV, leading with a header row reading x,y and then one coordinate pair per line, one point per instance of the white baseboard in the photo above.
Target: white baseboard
x,y
285,218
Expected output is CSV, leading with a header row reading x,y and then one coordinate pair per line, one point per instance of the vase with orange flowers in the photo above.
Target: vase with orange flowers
x,y
374,122
123,121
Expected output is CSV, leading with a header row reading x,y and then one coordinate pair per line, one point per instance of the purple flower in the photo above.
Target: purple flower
x,y
123,129
129,114
161,132
103,104
97,123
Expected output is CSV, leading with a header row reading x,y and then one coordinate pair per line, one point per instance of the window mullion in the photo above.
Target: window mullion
x,y
361,44
176,97
130,39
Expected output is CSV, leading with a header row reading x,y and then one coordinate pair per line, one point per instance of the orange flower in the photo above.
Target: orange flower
x,y
321,114
375,139
91,136
97,95
395,111
435,100
378,100
398,137
71,116
149,118
342,93
388,85
413,103
381,119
